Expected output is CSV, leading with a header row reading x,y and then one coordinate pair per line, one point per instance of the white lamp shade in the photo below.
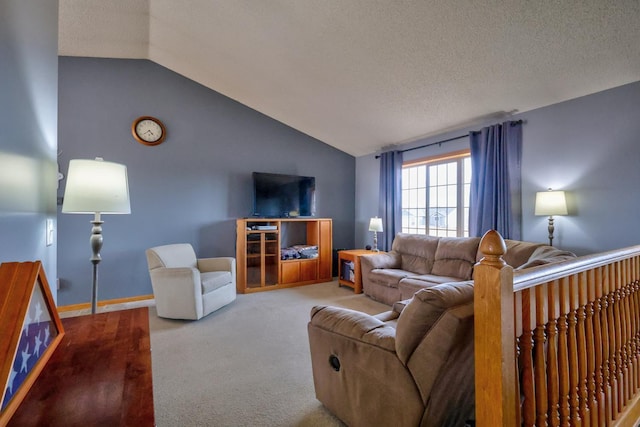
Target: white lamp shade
x,y
375,224
96,186
550,203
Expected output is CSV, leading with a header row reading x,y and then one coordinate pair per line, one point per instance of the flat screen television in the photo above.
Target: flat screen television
x,y
283,196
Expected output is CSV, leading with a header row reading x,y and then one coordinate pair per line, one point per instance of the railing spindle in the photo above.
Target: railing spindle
x,y
552,355
580,282
599,346
633,357
574,375
628,337
613,365
526,344
635,322
563,354
539,364
591,350
619,342
624,334
517,317
636,327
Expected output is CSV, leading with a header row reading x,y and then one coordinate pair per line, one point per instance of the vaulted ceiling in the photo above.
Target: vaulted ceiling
x,y
360,75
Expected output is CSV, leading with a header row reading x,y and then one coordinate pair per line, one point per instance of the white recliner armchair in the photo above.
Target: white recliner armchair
x,y
185,287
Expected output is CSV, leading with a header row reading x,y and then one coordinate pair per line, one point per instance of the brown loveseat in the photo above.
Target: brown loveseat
x,y
419,261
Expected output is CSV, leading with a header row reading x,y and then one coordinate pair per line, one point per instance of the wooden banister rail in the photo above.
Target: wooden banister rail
x,y
557,345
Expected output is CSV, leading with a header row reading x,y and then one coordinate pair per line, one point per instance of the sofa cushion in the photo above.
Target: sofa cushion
x,y
388,276
455,257
384,294
431,279
442,365
417,252
214,280
424,310
412,284
390,318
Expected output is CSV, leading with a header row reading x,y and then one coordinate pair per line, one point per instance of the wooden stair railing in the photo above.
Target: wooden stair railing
x,y
557,345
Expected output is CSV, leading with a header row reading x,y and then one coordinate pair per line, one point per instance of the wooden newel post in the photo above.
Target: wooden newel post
x,y
495,367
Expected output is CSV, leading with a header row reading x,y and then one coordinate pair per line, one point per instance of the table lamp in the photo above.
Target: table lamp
x,y
550,203
375,225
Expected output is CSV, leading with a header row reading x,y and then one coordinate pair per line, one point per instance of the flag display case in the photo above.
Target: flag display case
x,y
30,331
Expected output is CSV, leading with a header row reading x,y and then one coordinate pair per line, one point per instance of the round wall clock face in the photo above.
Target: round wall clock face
x,y
148,130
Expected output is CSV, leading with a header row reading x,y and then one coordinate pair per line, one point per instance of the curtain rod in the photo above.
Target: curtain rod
x,y
447,140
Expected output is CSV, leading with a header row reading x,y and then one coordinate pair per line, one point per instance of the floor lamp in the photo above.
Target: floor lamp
x,y
550,203
96,187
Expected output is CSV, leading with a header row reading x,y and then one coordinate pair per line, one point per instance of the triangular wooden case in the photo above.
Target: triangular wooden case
x,y
30,331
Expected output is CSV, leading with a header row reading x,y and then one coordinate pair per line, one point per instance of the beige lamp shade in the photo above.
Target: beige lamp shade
x,y
550,203
96,186
375,224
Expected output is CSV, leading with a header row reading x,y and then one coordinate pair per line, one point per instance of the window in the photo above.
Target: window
x,y
435,195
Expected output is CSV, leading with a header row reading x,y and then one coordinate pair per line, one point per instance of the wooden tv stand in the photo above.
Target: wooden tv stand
x,y
258,243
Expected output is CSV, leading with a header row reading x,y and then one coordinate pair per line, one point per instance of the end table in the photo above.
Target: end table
x,y
349,268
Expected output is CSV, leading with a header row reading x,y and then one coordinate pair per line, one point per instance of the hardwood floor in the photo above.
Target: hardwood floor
x,y
100,375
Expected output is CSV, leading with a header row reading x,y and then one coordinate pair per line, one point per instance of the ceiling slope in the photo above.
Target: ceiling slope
x,y
364,74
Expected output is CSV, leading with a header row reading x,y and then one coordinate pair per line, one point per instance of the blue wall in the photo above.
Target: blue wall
x,y
28,130
588,146
192,187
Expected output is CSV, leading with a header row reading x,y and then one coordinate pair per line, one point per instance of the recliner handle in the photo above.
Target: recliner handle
x,y
334,362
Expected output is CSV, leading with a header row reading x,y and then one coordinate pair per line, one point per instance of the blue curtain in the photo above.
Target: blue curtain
x,y
390,201
496,194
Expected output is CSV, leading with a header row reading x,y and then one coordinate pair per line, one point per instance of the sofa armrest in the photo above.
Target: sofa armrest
x,y
378,260
177,291
186,279
546,255
355,325
399,306
217,264
206,265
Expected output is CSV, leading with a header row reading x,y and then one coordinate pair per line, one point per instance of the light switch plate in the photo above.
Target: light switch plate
x,y
49,232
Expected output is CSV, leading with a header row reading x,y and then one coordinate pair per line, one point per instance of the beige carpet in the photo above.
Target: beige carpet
x,y
247,364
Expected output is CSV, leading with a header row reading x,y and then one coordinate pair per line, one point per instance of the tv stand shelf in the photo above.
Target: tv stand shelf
x,y
258,255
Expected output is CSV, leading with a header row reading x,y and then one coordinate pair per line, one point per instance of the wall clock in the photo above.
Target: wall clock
x,y
148,130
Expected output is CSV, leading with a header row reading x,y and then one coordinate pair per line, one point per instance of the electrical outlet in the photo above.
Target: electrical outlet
x,y
49,231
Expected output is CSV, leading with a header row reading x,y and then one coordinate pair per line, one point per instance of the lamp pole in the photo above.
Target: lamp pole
x,y
96,245
551,229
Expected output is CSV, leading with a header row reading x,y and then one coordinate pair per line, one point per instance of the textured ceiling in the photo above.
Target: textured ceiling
x,y
363,74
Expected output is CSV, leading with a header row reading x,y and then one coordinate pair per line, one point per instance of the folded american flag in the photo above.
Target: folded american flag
x,y
38,330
